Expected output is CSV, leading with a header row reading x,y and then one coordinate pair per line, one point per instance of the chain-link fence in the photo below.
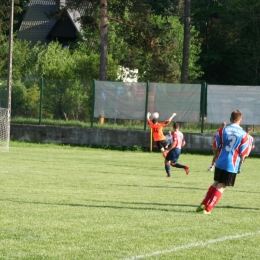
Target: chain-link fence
x,y
119,102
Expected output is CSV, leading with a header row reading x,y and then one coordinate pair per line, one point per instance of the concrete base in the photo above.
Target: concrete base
x,y
100,136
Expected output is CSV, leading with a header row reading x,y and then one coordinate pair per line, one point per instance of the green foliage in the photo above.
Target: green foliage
x,y
145,35
3,54
5,12
68,76
19,96
64,202
25,99
33,100
229,36
87,63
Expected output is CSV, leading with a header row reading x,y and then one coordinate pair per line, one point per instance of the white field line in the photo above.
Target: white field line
x,y
212,241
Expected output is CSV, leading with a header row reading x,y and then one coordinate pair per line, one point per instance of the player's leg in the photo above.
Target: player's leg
x,y
168,159
174,162
225,179
207,197
162,145
167,168
215,197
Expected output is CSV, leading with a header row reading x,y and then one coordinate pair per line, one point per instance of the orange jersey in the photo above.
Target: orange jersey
x,y
157,129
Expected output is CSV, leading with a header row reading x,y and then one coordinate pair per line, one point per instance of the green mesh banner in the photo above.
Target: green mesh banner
x,y
122,100
222,100
182,99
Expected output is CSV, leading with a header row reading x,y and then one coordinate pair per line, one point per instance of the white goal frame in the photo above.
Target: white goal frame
x,y
4,129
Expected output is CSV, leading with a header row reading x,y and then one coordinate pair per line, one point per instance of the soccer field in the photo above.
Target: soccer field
x,y
62,202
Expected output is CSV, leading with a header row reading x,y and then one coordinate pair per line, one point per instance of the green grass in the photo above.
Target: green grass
x,y
62,202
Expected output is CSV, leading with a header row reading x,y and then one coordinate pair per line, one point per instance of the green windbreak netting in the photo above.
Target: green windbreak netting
x,y
182,99
120,100
222,100
123,100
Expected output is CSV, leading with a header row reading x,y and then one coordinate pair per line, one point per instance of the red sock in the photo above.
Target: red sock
x,y
214,199
208,195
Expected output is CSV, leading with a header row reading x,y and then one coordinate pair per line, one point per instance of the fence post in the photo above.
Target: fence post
x,y
41,93
203,104
146,103
93,102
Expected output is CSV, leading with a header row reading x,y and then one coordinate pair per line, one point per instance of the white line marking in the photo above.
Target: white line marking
x,y
212,241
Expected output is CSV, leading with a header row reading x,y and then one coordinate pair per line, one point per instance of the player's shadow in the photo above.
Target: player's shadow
x,y
122,206
160,187
179,187
125,205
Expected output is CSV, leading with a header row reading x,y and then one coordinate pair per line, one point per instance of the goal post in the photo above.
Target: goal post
x,y
4,129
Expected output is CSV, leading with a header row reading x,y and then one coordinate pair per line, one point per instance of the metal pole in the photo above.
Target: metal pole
x,y
41,92
10,59
203,105
93,102
146,103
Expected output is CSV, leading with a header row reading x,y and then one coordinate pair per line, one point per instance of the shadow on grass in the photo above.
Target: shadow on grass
x,y
181,187
126,207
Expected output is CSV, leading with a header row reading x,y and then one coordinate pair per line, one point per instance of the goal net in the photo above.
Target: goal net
x,y
4,130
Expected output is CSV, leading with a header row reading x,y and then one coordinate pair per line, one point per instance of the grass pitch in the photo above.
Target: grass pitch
x,y
62,202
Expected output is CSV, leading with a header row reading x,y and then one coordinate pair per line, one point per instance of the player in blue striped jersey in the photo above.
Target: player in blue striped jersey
x,y
251,145
232,142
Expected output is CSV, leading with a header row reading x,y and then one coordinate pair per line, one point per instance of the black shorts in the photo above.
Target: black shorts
x,y
161,144
222,176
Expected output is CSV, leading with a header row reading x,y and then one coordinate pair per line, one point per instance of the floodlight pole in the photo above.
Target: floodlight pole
x,y
10,60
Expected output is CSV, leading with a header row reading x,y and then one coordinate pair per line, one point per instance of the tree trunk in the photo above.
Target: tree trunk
x,y
103,39
186,44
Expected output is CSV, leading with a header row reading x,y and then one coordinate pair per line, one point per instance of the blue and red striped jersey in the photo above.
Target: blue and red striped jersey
x,y
232,141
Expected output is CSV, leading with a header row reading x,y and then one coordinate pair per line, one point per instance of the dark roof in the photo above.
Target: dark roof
x,y
36,26
63,30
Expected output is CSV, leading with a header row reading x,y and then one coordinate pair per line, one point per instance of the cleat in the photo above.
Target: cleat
x,y
168,176
206,212
186,170
200,208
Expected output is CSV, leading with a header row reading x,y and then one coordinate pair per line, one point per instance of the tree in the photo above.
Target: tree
x,y
5,26
5,14
103,39
229,37
68,79
133,24
186,44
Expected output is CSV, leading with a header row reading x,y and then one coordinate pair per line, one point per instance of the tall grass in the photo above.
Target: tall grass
x,y
63,202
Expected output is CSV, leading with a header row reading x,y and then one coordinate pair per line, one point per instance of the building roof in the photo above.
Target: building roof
x,y
36,26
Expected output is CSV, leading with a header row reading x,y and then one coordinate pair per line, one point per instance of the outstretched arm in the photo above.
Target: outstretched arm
x,y
148,115
170,119
173,115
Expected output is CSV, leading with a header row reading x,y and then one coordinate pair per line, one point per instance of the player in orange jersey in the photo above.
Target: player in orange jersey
x,y
157,129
